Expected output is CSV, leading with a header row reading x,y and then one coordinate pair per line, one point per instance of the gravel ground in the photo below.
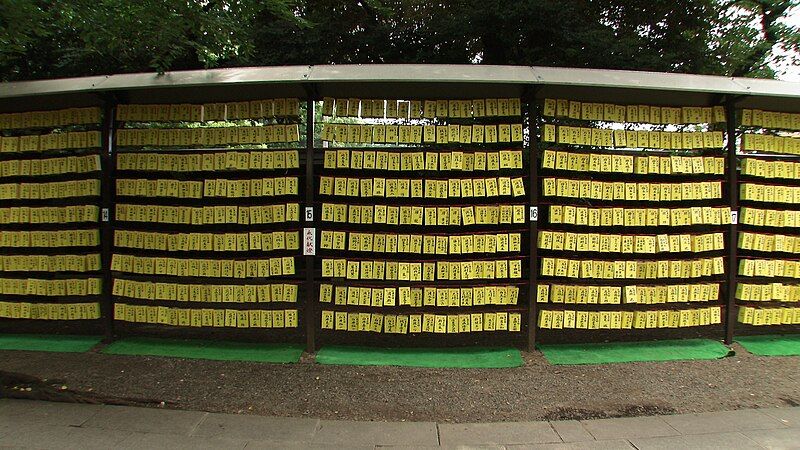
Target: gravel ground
x,y
533,392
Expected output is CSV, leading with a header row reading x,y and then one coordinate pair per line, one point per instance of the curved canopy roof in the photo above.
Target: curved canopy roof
x,y
403,81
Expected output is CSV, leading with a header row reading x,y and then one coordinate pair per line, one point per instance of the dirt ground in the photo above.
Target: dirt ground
x,y
535,391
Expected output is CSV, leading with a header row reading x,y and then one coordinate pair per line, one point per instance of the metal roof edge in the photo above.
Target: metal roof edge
x,y
409,73
150,80
423,73
767,87
633,79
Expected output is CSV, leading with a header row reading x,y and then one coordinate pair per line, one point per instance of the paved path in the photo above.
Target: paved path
x,y
31,424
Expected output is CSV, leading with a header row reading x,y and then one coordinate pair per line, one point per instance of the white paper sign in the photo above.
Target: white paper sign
x,y
309,241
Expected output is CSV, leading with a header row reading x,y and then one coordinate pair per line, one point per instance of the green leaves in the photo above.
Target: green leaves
x,y
754,37
43,39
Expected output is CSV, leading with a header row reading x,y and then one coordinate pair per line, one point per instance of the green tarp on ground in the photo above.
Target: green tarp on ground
x,y
771,345
619,352
476,357
48,342
202,349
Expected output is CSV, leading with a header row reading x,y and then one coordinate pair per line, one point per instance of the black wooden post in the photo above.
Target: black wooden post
x,y
108,164
310,222
533,221
733,201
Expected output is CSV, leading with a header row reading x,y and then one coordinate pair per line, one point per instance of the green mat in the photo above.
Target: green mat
x,y
48,342
202,349
619,352
468,358
771,345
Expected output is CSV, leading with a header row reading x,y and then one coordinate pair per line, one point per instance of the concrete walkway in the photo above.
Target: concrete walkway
x,y
31,424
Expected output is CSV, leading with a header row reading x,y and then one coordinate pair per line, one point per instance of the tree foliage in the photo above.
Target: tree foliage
x,y
46,39
751,32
